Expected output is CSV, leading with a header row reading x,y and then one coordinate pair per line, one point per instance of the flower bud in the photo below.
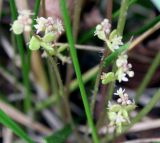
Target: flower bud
x,y
115,108
49,37
17,27
107,77
34,43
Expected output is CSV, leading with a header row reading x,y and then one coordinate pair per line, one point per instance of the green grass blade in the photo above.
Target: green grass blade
x,y
59,136
77,68
114,55
154,65
8,122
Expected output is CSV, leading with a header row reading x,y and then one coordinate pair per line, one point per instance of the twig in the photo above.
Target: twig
x,y
149,140
23,119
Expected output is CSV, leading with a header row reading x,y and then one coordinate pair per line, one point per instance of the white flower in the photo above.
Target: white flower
x,y
49,25
121,75
124,68
40,26
124,99
115,43
23,22
119,92
122,59
103,29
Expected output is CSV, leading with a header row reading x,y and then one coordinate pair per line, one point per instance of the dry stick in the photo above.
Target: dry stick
x,y
7,135
23,119
149,140
84,47
144,36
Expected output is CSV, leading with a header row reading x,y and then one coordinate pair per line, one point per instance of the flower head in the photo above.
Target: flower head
x,y
103,29
23,22
49,25
120,92
115,43
124,99
124,68
40,26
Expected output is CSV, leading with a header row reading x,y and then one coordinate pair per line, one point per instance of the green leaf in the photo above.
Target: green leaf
x,y
115,54
8,122
59,136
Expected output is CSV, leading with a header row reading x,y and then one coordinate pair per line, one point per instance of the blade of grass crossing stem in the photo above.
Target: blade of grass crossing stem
x,y
114,55
148,76
8,122
77,69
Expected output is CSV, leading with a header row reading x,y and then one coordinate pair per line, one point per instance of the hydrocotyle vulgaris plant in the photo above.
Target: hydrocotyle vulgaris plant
x,y
118,113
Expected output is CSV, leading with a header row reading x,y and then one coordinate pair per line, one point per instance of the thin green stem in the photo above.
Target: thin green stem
x,y
96,86
148,76
122,16
116,14
19,40
77,69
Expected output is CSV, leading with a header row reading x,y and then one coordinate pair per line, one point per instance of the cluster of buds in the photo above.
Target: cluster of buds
x,y
124,68
114,41
23,22
119,113
49,25
48,30
51,29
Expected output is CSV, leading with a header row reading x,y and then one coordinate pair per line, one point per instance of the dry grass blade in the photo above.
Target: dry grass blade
x,y
23,119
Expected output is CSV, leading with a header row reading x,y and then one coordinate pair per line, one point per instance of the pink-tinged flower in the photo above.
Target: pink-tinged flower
x,y
23,22
49,25
103,29
115,43
124,68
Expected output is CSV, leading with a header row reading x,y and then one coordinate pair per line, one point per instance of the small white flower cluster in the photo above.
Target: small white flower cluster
x,y
49,25
123,97
114,41
103,29
23,22
119,113
124,68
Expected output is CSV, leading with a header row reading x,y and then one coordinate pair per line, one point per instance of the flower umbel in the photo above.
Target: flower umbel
x,y
23,22
119,112
49,25
124,68
103,29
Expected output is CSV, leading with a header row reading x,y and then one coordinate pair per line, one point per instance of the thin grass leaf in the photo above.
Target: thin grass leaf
x,y
59,136
8,122
77,68
114,55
